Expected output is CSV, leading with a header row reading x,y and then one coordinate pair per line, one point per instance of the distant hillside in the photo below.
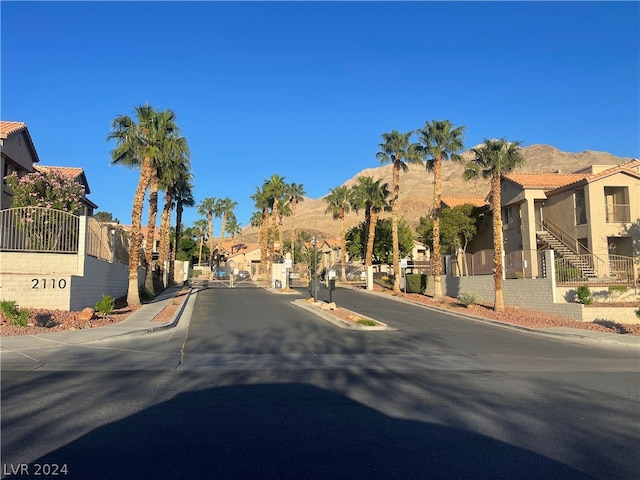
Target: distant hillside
x,y
416,187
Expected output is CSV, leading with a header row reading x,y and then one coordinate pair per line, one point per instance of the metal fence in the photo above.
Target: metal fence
x,y
107,242
613,269
38,229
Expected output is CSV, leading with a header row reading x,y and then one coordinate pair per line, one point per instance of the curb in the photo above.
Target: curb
x,y
571,335
342,323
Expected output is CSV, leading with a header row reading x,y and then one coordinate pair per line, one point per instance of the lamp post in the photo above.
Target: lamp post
x,y
315,270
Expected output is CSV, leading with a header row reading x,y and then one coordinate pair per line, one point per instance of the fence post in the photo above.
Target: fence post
x,y
549,259
82,243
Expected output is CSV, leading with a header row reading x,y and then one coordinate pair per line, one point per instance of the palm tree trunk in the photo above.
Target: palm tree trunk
x,y
264,246
133,293
222,227
373,218
151,230
343,246
210,225
394,228
178,229
498,305
293,232
437,195
165,228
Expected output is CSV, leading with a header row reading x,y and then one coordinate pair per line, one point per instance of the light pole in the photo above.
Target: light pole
x,y
315,270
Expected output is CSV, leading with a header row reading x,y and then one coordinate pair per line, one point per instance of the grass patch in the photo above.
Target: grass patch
x,y
367,323
16,316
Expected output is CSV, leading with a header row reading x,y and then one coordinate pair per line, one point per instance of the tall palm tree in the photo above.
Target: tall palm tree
x,y
261,200
138,145
234,229
439,141
183,196
338,204
492,160
207,208
398,150
173,164
276,188
373,197
201,225
225,207
295,193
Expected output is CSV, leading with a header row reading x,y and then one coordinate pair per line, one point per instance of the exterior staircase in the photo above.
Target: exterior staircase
x,y
566,252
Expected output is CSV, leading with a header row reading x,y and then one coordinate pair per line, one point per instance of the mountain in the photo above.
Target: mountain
x,y
416,188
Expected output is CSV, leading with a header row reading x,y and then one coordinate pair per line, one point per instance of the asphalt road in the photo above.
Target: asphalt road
x,y
254,386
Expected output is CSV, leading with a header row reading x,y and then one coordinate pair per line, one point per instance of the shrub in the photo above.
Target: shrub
x,y
145,295
567,273
416,283
468,298
368,323
616,291
195,273
15,315
106,305
638,313
583,295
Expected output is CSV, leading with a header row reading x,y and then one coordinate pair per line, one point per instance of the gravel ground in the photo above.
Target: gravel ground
x,y
519,316
45,321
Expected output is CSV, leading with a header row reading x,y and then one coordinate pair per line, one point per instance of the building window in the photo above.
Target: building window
x,y
580,209
8,170
617,204
507,217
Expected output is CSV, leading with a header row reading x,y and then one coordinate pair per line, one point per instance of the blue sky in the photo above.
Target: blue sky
x,y
306,89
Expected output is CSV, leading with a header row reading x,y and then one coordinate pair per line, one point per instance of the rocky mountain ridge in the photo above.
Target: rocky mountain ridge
x,y
416,187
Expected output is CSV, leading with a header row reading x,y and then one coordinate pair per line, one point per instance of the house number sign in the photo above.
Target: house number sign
x,y
38,283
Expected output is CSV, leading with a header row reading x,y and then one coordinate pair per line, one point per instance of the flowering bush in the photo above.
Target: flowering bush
x,y
48,190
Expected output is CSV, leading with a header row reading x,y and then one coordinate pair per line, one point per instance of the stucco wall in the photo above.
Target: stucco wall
x,y
57,281
534,294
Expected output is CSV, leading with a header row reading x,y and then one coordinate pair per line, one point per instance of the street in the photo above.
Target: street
x,y
249,385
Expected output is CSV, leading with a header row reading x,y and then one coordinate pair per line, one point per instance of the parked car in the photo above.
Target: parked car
x,y
243,275
219,273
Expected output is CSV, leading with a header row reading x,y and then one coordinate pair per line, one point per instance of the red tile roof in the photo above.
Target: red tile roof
x,y
543,180
630,168
9,128
457,201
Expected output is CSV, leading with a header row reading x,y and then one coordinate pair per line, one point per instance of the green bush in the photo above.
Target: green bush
x,y
468,298
106,305
366,322
16,316
616,291
416,283
145,295
583,295
638,313
195,273
567,273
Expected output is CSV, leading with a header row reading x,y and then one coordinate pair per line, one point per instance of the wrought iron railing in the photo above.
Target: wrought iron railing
x,y
38,229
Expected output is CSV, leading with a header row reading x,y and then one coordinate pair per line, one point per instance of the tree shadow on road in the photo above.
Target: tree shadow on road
x,y
289,431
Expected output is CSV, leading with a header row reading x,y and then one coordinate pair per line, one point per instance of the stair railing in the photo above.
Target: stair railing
x,y
591,259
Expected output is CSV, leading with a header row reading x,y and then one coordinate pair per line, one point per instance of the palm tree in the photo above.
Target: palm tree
x,y
276,187
261,199
224,209
440,141
338,204
183,196
296,194
373,197
397,150
138,145
171,169
201,225
234,228
206,208
492,160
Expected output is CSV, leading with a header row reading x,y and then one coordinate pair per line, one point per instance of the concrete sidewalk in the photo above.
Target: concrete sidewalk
x,y
140,322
